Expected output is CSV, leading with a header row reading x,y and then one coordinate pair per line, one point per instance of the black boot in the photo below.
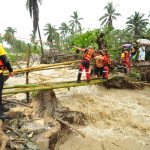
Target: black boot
x,y
79,78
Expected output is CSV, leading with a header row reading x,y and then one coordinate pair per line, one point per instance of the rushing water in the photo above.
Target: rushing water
x,y
116,119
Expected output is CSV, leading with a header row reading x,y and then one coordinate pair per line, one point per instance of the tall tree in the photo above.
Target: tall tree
x,y
9,35
136,24
32,6
64,31
75,23
110,15
52,35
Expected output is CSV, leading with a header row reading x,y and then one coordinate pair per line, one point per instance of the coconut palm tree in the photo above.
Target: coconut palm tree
x,y
110,15
75,22
32,6
51,33
136,24
9,35
64,31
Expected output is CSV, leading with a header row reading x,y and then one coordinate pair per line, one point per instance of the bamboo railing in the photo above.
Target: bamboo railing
x,y
42,67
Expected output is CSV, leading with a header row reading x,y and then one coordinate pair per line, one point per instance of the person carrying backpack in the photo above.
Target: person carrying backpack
x,y
99,64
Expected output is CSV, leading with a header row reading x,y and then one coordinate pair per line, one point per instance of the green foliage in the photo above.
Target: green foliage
x,y
136,24
135,74
83,40
115,39
19,46
110,15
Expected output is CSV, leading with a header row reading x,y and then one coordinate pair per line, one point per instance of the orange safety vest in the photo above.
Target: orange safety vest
x,y
99,61
1,66
88,54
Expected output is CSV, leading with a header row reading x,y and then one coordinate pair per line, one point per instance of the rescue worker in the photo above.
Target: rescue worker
x,y
85,63
98,70
126,60
4,64
107,63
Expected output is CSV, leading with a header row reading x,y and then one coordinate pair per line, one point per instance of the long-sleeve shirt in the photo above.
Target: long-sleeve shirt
x,y
6,63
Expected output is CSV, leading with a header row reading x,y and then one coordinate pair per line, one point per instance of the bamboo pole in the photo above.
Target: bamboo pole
x,y
21,86
46,84
55,86
40,67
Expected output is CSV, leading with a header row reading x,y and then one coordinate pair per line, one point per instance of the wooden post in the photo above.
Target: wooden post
x,y
27,73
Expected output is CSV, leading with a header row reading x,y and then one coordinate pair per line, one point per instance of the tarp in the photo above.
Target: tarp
x,y
143,41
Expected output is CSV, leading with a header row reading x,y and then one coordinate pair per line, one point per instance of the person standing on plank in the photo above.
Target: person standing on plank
x,y
88,53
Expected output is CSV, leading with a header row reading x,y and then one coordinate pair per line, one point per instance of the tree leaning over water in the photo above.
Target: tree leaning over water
x,y
136,24
32,6
110,15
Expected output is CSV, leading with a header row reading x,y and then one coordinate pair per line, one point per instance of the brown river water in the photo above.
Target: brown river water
x,y
116,119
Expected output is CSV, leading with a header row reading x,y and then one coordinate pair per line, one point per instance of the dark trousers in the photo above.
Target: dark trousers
x,y
98,71
1,87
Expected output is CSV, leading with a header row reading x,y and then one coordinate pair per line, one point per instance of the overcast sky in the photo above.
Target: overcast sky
x,y
13,13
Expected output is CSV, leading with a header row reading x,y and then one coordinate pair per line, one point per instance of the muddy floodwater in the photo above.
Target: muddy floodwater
x,y
115,119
